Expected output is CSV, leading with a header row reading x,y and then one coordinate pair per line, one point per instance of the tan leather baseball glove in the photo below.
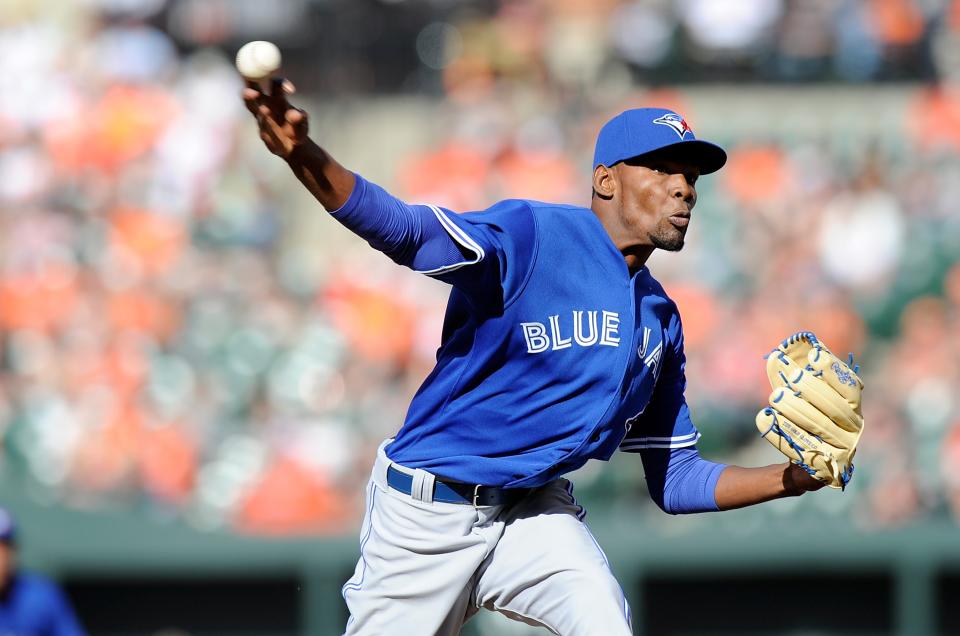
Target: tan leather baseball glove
x,y
814,416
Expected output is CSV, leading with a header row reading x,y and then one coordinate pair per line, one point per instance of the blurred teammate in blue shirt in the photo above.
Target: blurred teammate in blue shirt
x,y
30,605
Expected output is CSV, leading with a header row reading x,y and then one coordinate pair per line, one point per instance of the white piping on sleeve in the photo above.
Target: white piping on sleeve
x,y
640,443
461,237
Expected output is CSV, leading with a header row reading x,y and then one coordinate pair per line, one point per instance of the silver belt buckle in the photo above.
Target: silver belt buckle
x,y
476,493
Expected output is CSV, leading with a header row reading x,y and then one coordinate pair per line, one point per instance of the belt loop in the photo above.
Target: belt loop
x,y
381,464
422,487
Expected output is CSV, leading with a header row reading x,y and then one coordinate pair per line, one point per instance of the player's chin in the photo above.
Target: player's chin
x,y
668,240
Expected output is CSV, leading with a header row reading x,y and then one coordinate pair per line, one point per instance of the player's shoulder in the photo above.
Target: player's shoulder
x,y
35,588
557,218
547,207
654,287
537,208
35,582
528,216
565,210
512,217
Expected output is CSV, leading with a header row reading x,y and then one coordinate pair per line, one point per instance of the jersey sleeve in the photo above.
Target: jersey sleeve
x,y
486,253
665,423
679,480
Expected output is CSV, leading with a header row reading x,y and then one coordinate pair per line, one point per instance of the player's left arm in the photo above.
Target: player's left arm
x,y
739,487
680,481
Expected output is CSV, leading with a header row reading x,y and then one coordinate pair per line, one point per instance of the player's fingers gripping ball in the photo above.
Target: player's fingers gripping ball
x,y
814,416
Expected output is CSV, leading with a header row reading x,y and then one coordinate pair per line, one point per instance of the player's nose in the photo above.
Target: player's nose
x,y
681,188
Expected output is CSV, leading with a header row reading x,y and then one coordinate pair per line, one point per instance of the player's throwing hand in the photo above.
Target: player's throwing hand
x,y
282,127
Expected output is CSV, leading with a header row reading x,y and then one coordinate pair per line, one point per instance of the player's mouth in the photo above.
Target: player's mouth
x,y
680,220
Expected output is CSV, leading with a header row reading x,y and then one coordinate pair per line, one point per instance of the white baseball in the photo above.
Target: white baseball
x,y
258,60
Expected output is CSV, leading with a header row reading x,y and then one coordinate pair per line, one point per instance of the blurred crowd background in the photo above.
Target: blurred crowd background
x,y
184,334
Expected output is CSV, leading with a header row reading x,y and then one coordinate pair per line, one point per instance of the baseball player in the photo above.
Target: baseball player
x,y
558,346
30,605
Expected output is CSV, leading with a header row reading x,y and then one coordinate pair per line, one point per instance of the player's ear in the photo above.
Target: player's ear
x,y
604,183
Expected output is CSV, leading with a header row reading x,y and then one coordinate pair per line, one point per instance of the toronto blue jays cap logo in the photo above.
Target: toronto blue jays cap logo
x,y
675,121
639,131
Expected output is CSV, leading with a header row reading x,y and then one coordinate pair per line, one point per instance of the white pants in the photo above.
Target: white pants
x,y
425,568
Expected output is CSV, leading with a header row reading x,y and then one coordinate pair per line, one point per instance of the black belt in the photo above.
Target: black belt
x,y
457,492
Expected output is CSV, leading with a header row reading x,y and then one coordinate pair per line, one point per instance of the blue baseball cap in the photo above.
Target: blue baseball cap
x,y
8,528
639,131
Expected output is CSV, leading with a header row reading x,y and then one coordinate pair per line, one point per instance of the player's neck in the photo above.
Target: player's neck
x,y
634,253
636,257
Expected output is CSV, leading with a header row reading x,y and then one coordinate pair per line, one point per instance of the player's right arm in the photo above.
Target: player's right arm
x,y
284,130
425,238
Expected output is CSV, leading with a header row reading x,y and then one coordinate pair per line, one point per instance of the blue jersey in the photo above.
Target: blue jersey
x,y
552,352
34,606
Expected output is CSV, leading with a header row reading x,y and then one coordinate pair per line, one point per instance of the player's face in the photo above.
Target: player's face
x,y
7,564
657,196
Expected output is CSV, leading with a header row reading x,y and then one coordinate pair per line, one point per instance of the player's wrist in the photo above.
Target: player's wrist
x,y
302,153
